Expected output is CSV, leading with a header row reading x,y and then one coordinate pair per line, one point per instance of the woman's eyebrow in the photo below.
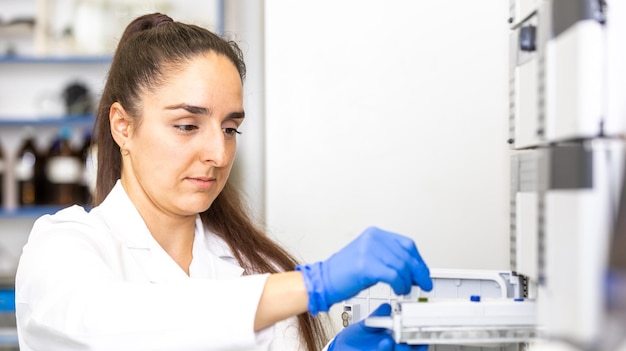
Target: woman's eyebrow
x,y
236,115
199,110
196,110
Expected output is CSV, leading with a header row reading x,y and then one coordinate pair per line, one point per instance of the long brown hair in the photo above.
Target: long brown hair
x,y
150,45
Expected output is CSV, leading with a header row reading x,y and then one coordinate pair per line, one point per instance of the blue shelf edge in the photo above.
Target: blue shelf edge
x,y
56,60
29,212
35,211
7,300
74,120
8,337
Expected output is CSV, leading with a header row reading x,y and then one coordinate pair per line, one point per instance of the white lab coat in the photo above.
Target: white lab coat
x,y
99,281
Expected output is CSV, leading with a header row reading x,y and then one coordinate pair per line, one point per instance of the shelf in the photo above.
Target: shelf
x,y
34,212
29,212
56,60
8,337
7,282
73,120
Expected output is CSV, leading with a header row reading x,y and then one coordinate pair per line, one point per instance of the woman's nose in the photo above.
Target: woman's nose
x,y
215,149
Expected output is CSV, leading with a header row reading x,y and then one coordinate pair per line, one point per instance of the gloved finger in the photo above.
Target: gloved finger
x,y
419,268
394,252
406,251
390,268
420,271
421,277
392,255
386,344
400,281
401,284
382,311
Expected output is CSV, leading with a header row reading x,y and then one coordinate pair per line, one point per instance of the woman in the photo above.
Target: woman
x,y
168,258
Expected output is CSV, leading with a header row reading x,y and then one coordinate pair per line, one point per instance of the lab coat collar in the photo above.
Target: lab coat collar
x,y
123,219
212,258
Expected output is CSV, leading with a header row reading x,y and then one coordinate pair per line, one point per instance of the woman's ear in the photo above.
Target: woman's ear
x,y
120,124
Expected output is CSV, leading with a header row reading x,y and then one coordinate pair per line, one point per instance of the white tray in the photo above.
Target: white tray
x,y
489,322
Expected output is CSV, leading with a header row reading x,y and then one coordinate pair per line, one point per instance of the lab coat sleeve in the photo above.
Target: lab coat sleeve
x,y
74,301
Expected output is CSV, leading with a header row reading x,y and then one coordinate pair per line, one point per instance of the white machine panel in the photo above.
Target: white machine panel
x,y
580,205
524,216
575,89
521,9
616,68
526,239
524,90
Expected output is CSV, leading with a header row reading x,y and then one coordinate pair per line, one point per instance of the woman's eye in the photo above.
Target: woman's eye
x,y
186,127
231,131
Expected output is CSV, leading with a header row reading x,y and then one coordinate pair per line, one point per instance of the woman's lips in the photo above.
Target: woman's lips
x,y
202,182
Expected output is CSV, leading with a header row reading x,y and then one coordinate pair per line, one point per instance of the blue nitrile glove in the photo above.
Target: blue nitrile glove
x,y
375,256
362,338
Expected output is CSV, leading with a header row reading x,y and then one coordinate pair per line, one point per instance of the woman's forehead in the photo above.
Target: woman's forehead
x,y
202,81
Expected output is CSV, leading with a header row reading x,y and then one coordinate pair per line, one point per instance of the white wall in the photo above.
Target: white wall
x,y
391,114
243,22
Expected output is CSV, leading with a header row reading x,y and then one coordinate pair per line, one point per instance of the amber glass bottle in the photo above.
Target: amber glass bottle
x,y
3,171
28,173
63,170
86,158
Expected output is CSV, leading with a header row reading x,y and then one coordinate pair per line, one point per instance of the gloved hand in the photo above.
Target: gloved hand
x,y
375,256
362,338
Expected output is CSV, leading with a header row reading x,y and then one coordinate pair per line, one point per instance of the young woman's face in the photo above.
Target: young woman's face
x,y
182,151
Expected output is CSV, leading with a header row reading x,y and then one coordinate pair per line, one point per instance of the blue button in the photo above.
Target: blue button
x,y
475,298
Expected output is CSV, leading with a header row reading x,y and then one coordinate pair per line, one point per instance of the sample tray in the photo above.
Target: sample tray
x,y
487,322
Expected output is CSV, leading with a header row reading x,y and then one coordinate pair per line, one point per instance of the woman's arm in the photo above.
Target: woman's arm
x,y
284,296
375,256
